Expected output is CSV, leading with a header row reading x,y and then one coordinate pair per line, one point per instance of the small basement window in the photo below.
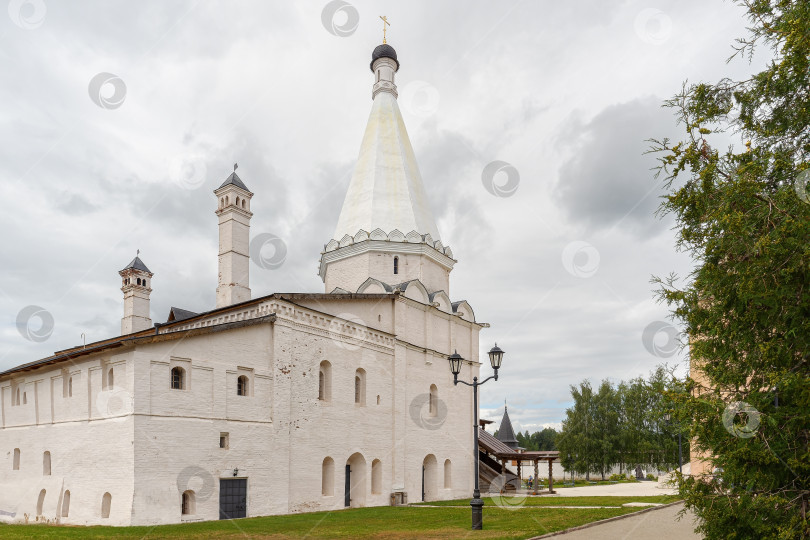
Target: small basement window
x,y
223,440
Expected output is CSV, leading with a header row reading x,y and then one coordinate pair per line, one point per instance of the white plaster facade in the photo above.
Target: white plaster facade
x,y
283,391
146,443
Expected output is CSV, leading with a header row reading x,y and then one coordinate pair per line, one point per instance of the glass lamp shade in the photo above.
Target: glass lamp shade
x,y
455,362
495,357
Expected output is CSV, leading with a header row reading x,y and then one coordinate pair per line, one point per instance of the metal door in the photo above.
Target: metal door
x,y
347,496
232,498
423,483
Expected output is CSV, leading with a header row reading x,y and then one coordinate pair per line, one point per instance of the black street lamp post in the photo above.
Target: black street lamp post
x,y
495,359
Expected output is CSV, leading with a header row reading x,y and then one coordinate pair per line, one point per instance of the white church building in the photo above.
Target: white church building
x,y
263,405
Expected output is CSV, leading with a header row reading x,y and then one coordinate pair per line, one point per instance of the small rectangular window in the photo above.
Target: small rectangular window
x,y
223,440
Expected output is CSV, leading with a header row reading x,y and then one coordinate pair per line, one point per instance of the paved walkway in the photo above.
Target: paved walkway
x,y
636,489
659,524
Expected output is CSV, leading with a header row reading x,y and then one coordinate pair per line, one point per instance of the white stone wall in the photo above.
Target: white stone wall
x,y
144,442
88,433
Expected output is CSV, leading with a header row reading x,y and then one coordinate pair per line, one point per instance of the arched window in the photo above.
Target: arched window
x,y
110,378
433,403
242,385
376,476
396,265
70,387
448,474
16,464
328,477
178,378
17,397
66,503
243,203
325,381
106,502
25,398
237,201
40,502
360,387
189,503
46,463
227,201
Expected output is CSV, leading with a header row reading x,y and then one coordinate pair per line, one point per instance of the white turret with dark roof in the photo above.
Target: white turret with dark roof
x,y
136,281
234,216
386,231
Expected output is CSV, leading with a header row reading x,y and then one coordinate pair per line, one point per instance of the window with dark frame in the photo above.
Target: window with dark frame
x,y
178,376
242,385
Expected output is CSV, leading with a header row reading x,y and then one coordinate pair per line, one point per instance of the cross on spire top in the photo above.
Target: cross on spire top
x,y
385,23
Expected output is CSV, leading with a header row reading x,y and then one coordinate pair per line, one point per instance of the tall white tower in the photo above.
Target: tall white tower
x,y
386,229
136,281
233,211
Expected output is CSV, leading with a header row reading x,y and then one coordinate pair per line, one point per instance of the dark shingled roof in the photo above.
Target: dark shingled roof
x,y
235,180
136,264
383,51
505,433
177,314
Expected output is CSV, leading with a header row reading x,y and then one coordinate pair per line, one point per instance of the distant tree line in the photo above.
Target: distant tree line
x,y
539,440
622,425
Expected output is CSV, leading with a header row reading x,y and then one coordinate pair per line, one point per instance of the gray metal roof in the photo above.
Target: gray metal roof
x,y
235,180
177,314
137,264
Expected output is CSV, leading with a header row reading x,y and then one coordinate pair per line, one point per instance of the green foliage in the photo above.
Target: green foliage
x,y
622,425
539,440
744,216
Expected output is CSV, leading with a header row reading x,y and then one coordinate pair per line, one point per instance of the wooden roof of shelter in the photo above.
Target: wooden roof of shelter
x,y
488,443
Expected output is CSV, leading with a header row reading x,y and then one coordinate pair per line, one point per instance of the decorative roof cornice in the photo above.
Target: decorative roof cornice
x,y
378,240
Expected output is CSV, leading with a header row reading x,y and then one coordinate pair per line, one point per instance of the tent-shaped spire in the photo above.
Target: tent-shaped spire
x,y
505,433
136,264
386,190
235,180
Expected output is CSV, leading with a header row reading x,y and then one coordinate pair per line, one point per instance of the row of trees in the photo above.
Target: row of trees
x,y
622,425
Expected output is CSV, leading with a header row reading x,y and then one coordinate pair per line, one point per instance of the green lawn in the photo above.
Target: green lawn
x,y
380,522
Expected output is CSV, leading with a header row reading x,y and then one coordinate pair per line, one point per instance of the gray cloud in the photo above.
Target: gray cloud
x,y
608,182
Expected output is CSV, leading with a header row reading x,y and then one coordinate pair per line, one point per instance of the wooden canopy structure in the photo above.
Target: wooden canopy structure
x,y
491,446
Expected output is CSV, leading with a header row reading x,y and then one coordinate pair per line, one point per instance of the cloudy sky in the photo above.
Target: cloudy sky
x,y
119,118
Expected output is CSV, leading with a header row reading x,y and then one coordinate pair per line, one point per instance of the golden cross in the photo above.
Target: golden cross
x,y
385,23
